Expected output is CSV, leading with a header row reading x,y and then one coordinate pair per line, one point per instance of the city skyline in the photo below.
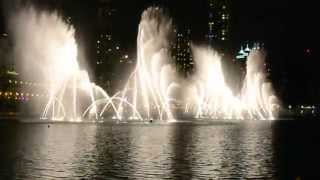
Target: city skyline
x,y
267,23
159,89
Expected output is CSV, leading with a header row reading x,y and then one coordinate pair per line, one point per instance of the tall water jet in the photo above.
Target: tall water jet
x,y
257,93
211,97
46,52
145,94
150,79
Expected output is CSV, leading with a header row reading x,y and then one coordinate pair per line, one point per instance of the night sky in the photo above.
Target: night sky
x,y
288,30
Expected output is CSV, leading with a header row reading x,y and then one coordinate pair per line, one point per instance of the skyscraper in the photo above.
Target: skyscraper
x,y
107,47
182,52
218,22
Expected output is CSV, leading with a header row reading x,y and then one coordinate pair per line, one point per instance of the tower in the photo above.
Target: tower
x,y
107,47
182,52
218,22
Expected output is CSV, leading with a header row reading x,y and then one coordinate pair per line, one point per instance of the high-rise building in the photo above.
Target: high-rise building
x,y
182,54
218,22
108,49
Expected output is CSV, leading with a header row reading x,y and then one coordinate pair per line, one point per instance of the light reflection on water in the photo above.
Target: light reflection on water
x,y
99,151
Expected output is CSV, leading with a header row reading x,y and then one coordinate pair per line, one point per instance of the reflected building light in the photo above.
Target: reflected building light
x,y
247,48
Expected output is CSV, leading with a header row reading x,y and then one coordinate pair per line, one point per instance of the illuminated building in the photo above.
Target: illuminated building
x,y
108,49
182,54
218,22
244,52
242,55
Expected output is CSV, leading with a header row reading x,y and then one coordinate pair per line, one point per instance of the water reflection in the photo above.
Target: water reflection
x,y
182,157
112,152
56,152
97,151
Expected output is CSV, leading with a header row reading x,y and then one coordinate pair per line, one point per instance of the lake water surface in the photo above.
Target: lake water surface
x,y
256,150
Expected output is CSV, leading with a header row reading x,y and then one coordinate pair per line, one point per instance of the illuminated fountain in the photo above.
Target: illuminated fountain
x,y
211,97
47,49
145,94
47,52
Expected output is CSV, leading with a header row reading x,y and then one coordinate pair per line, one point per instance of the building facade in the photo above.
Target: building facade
x,y
111,57
219,13
181,51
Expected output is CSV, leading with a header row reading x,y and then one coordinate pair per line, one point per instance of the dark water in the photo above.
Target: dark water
x,y
256,150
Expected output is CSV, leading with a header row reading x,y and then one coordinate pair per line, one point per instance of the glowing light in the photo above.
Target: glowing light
x,y
153,91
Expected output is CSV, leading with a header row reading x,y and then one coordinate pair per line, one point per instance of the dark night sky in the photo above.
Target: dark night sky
x,y
286,28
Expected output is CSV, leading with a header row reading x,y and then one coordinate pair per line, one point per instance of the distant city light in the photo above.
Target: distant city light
x,y
244,53
12,73
308,51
